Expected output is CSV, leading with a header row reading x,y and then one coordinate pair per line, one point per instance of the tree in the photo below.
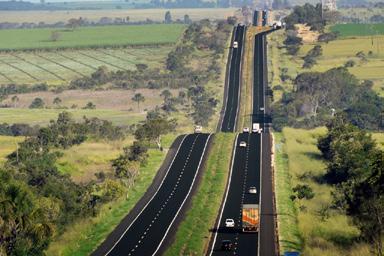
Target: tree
x,y
168,18
55,36
37,103
73,23
90,105
187,19
141,67
303,191
153,130
57,101
138,97
15,100
166,94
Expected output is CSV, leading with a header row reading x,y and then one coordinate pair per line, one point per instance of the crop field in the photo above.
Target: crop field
x,y
59,67
348,30
335,54
40,38
95,15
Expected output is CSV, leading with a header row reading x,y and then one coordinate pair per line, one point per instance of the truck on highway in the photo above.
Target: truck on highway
x,y
250,218
198,129
256,128
235,45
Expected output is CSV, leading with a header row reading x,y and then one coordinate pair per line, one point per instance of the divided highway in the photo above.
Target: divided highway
x,y
231,107
248,164
146,234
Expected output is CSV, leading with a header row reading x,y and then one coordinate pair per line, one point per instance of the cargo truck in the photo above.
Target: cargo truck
x,y
250,218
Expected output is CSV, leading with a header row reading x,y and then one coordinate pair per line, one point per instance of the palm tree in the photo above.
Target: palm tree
x,y
138,98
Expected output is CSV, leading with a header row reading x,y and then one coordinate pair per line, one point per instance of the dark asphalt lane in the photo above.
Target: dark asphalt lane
x,y
233,90
245,173
146,233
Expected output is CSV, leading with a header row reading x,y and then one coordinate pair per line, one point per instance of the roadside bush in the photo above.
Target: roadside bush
x,y
37,103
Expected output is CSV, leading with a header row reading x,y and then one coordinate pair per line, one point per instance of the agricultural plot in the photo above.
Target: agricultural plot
x,y
83,37
134,15
347,30
59,67
335,54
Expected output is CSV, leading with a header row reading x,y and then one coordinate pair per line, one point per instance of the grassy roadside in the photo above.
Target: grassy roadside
x,y
8,144
193,234
85,235
323,229
289,236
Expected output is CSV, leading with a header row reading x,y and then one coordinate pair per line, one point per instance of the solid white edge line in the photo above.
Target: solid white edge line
x,y
228,81
165,176
240,81
261,176
186,197
226,195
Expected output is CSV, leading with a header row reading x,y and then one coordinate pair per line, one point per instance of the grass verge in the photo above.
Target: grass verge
x,y
289,236
193,234
85,235
8,144
324,230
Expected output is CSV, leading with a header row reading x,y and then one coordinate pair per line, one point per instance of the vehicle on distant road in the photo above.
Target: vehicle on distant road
x,y
235,44
226,245
256,128
198,129
262,109
229,223
243,144
250,218
252,190
246,129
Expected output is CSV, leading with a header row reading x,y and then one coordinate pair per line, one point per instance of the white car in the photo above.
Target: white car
x,y
252,190
229,223
198,129
246,130
235,45
261,109
243,144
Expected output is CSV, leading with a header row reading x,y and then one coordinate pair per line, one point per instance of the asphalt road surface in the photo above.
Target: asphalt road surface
x,y
248,164
145,235
244,174
233,91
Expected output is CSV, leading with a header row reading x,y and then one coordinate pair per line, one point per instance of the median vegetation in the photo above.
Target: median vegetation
x,y
193,235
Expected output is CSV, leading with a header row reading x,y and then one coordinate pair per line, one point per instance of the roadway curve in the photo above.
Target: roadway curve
x,y
146,233
231,107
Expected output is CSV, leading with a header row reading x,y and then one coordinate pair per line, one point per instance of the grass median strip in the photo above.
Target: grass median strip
x,y
193,234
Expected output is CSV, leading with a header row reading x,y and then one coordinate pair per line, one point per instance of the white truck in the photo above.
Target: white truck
x,y
256,128
198,129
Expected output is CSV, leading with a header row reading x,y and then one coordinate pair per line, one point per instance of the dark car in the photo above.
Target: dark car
x,y
226,245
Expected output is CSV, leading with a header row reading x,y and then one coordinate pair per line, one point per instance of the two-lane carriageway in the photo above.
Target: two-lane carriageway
x,y
146,234
231,107
244,174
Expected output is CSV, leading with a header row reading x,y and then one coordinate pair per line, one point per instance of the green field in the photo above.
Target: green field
x,y
60,67
335,54
8,144
348,30
19,39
